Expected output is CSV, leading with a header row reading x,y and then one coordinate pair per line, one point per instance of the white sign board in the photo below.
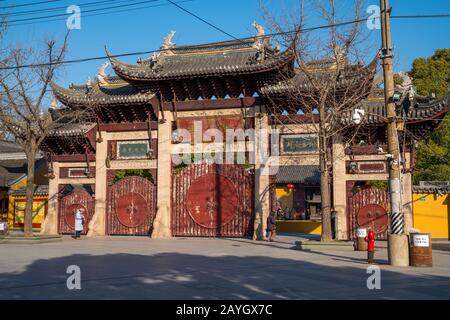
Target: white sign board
x,y
2,226
421,240
361,232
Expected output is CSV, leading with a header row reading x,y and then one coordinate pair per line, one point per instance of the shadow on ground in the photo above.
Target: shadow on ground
x,y
187,276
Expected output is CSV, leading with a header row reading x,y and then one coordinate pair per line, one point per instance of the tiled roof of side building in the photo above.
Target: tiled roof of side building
x,y
306,174
9,147
432,189
350,75
101,96
71,130
41,190
12,170
412,110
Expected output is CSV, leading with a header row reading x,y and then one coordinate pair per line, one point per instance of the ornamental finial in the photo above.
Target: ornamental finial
x,y
260,32
167,43
101,74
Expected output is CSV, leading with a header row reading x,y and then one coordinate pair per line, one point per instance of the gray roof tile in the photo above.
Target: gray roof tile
x,y
305,174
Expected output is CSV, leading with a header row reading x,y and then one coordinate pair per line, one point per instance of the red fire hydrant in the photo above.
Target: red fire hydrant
x,y
370,239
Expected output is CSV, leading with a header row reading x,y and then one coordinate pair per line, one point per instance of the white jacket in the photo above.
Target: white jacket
x,y
79,217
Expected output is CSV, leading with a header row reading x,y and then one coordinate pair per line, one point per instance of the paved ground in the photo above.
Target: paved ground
x,y
141,268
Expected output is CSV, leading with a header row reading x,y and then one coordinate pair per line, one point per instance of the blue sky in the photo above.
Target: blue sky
x,y
144,29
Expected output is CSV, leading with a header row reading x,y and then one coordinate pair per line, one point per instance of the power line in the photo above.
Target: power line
x,y
422,16
81,5
99,14
201,19
160,50
28,4
86,11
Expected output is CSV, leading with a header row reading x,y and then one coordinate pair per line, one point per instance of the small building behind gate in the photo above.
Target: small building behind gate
x,y
431,205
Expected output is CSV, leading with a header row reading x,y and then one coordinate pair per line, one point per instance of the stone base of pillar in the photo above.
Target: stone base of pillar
x,y
97,225
161,224
50,224
398,250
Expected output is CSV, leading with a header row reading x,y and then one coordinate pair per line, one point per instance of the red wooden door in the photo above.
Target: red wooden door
x,y
369,208
131,207
212,200
68,205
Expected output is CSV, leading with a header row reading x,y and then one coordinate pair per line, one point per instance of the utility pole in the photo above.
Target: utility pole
x,y
397,240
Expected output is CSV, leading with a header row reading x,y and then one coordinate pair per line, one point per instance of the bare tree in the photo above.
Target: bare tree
x,y
329,81
25,78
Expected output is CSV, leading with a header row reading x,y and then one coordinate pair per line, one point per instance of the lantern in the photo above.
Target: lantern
x,y
290,186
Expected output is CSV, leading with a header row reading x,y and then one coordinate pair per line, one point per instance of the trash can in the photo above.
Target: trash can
x,y
420,251
361,244
4,228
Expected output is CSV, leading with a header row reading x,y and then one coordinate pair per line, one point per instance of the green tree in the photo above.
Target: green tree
x,y
433,154
432,75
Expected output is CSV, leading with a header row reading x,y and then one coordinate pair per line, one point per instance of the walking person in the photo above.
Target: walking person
x,y
271,225
370,239
79,222
333,223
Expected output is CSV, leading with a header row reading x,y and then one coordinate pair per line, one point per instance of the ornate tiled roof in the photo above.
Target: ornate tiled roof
x,y
13,170
348,76
306,174
41,190
432,189
239,57
72,130
97,95
9,147
411,110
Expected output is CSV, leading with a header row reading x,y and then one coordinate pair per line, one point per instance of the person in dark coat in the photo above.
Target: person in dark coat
x,y
333,222
370,239
271,225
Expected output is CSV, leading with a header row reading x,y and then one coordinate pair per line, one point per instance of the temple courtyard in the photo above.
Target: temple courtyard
x,y
193,268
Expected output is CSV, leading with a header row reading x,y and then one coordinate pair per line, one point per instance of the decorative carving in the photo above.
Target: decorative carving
x,y
101,75
406,88
167,43
260,32
260,40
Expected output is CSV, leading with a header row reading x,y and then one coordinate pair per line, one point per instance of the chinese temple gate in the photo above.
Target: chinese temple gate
x,y
118,163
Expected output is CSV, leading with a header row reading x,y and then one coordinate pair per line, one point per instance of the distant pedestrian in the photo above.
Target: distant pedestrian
x,y
79,222
333,223
271,225
370,239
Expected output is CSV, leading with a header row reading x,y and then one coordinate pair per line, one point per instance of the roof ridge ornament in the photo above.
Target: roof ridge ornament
x,y
406,87
167,45
54,104
101,74
261,40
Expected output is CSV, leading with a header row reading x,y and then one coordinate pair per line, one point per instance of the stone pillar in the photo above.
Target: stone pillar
x,y
162,223
407,202
262,181
97,225
339,188
50,223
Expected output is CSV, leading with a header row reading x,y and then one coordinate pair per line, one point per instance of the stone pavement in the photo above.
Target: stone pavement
x,y
192,268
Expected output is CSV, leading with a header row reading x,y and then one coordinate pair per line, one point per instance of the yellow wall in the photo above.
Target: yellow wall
x,y
39,206
3,195
299,226
431,214
285,197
